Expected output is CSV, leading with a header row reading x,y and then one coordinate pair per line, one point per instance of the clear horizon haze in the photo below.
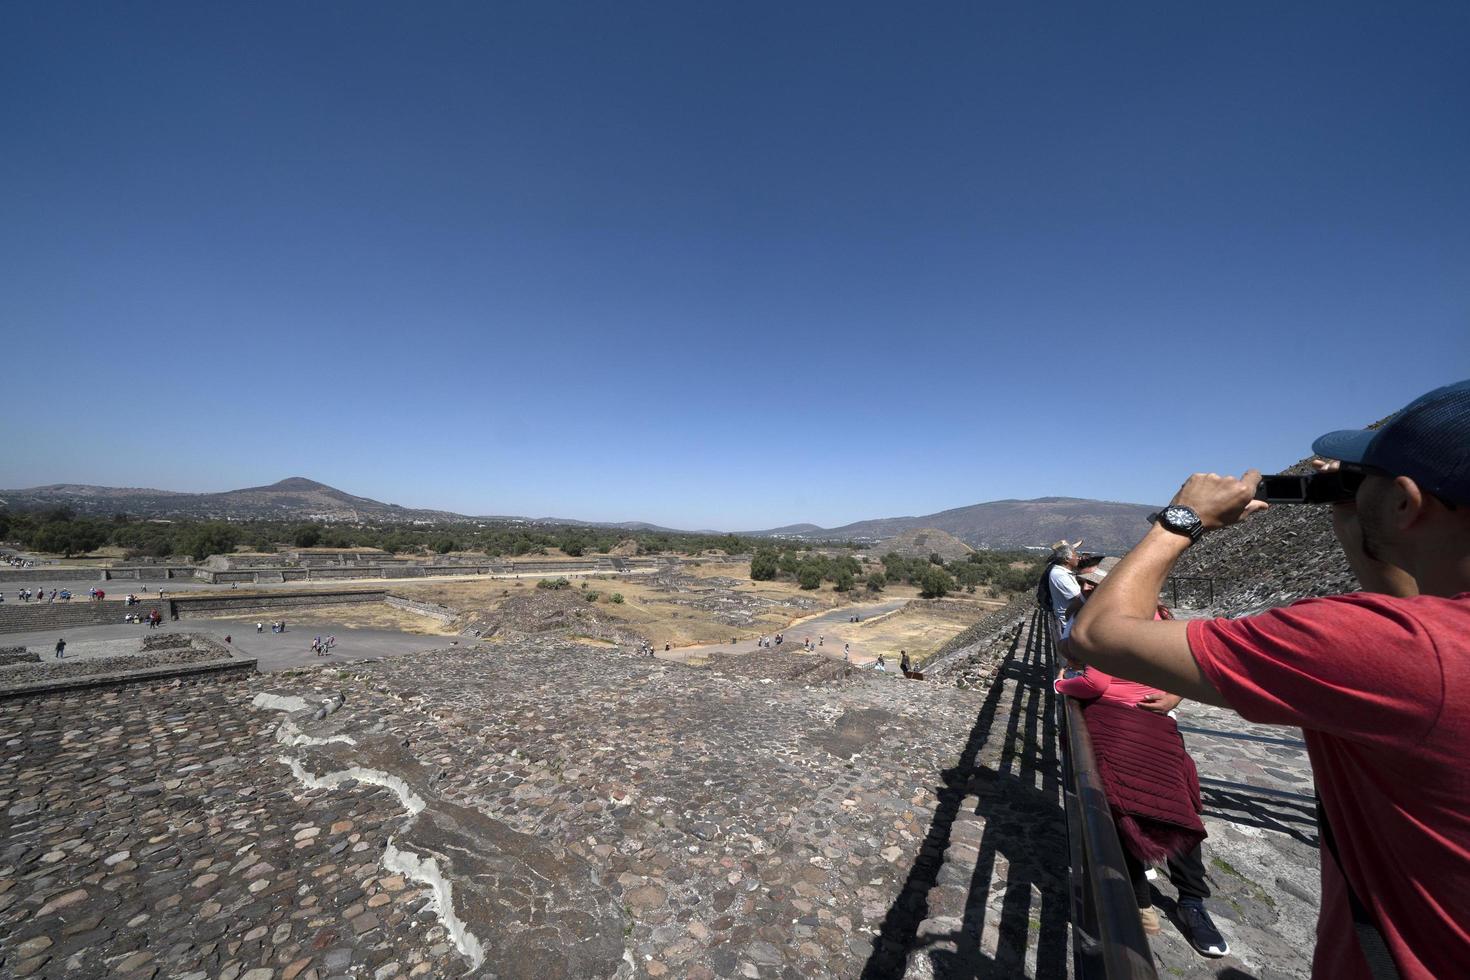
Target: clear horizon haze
x,y
721,266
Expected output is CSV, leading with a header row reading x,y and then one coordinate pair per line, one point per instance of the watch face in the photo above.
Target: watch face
x,y
1181,517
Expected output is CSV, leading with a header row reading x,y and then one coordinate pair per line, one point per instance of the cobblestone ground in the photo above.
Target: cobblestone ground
x,y
151,832
736,822
1262,851
541,810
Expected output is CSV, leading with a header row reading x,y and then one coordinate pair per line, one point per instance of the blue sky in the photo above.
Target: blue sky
x,y
721,265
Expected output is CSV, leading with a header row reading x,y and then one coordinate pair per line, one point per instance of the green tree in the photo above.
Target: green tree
x,y
763,566
211,538
809,577
844,581
54,538
935,583
308,537
877,581
444,545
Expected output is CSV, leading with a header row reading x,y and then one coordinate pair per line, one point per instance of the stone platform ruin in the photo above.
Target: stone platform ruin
x,y
539,808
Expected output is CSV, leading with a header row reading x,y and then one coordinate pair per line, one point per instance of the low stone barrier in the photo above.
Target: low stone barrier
x,y
185,673
17,655
28,617
432,610
21,577
145,573
64,669
221,604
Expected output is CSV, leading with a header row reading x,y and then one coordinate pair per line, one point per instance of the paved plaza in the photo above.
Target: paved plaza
x,y
272,651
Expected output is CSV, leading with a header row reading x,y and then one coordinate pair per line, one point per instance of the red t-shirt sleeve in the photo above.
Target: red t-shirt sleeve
x,y
1360,666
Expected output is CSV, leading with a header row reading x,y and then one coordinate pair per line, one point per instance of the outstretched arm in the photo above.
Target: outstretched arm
x,y
1116,629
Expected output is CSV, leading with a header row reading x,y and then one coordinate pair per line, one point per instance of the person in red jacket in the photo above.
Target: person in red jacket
x,y
1378,680
1157,810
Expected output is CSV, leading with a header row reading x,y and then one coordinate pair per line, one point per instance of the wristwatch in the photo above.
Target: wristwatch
x,y
1181,520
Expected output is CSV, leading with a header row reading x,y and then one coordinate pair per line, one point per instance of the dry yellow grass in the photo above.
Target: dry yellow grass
x,y
646,608
921,628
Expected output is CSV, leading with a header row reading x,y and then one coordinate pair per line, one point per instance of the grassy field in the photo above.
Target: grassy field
x,y
647,608
922,628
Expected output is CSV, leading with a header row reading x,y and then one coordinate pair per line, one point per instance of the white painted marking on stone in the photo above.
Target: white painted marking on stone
x,y
411,801
279,702
426,870
290,735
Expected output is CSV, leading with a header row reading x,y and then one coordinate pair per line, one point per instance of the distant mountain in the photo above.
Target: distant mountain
x,y
293,499
1103,525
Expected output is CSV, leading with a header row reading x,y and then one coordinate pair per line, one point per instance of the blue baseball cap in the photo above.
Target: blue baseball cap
x,y
1428,441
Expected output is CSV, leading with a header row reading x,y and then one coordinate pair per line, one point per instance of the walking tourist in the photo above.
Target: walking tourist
x,y
1375,679
60,648
882,664
903,662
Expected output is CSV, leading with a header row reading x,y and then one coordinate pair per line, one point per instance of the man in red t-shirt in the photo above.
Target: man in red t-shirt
x,y
1379,681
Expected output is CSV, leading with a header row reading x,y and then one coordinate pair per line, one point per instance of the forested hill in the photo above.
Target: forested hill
x,y
295,498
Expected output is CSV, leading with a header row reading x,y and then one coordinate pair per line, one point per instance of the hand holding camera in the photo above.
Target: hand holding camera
x,y
1220,501
1331,484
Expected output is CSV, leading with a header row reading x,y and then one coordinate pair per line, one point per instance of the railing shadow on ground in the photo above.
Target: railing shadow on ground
x,y
1024,826
1297,820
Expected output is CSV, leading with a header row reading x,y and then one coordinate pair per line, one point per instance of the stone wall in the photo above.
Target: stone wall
x,y
218,604
21,577
154,573
53,670
25,617
171,675
17,655
432,610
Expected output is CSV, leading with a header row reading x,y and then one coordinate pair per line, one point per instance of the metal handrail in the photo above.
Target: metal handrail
x,y
1107,934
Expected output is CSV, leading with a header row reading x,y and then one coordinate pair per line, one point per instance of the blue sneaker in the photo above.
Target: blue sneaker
x,y
1200,930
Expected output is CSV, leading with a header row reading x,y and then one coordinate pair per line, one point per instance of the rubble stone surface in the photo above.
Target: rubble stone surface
x,y
152,831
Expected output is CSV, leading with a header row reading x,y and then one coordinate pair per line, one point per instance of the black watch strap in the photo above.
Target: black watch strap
x,y
1193,532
